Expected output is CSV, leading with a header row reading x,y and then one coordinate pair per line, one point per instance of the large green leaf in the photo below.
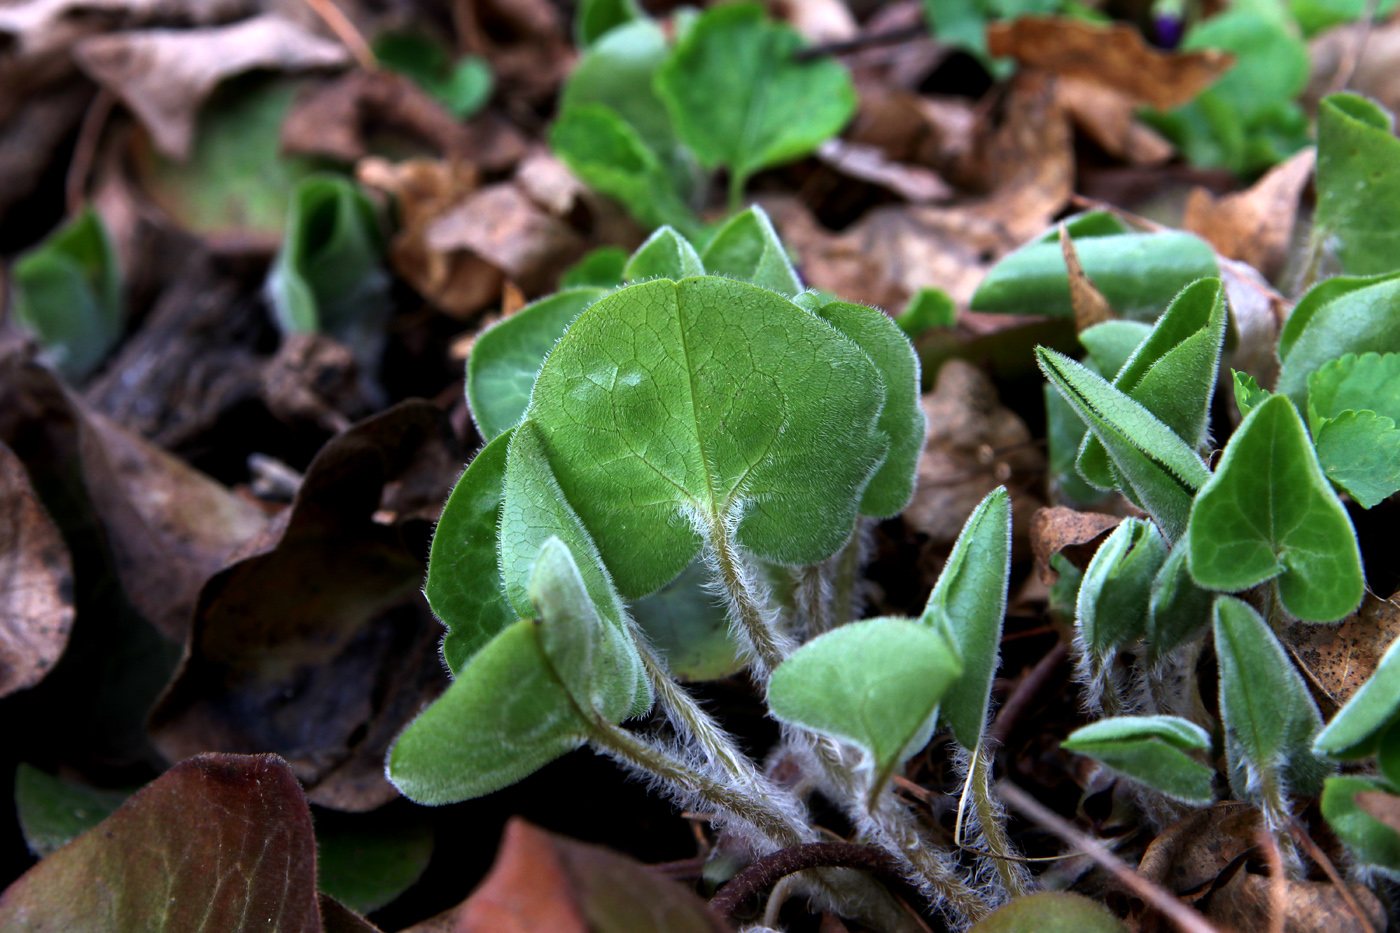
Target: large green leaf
x,y
967,605
747,248
1356,729
53,811
672,409
1357,189
1114,595
876,684
1268,512
1336,317
1151,750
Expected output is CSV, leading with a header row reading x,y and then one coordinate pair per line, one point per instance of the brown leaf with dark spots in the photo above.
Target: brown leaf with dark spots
x,y
36,582
219,842
319,646
1338,659
1090,306
541,881
1254,226
1116,56
1076,535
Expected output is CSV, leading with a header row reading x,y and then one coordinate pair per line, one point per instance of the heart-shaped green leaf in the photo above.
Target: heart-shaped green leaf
x,y
875,683
1114,595
506,358
1269,715
747,248
1370,840
1355,731
967,605
1268,512
665,255
1357,191
708,404
1179,609
1151,750
1336,317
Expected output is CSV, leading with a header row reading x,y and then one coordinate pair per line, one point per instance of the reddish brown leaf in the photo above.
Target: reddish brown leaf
x,y
1075,534
1254,226
337,918
1090,306
1109,117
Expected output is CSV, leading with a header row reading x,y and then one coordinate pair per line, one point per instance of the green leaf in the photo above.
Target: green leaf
x,y
1388,756
1161,471
53,811
596,18
1314,16
464,585
1179,609
875,683
1356,729
747,248
689,626
1151,750
665,255
1064,431
1269,715
739,99
1370,840
1112,343
599,268
708,402
1357,192
68,294
366,860
1116,590
1369,382
967,605
462,87
1268,512
506,358
1359,451
1138,273
467,87
1051,912
929,308
1248,395
1336,317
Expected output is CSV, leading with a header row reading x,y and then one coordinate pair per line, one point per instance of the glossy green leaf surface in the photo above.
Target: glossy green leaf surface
x,y
738,99
706,401
1370,840
1355,731
1178,609
1357,189
875,683
1268,512
1336,317
747,248
665,255
1269,715
967,605
1112,608
506,358
1151,750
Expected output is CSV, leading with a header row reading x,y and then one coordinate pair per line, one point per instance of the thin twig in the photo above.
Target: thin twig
x,y
346,32
85,149
767,871
861,43
1300,836
1025,691
1186,918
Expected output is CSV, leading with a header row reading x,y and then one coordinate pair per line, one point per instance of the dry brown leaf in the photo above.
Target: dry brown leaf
x,y
1109,117
1258,312
1116,56
1254,226
1244,904
1090,306
1374,72
1191,853
165,75
913,183
36,582
1077,535
526,42
1339,658
549,183
45,25
929,247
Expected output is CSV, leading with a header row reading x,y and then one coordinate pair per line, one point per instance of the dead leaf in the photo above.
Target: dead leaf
x,y
38,26
337,918
36,582
1191,853
1254,226
913,183
164,75
1076,535
1258,312
1245,904
219,842
1115,56
314,377
1339,658
549,183
318,645
819,21
1090,306
526,42
925,247
541,881
1109,117
1363,58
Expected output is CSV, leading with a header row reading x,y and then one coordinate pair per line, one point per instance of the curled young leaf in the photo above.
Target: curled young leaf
x,y
1248,395
747,248
665,255
1179,609
1151,750
1116,590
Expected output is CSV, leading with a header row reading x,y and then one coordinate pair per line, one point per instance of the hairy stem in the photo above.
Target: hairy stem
x,y
813,596
991,820
748,602
845,569
691,721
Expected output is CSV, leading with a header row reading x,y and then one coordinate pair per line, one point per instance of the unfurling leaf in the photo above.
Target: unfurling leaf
x,y
1116,590
1356,729
1248,395
747,248
665,255
1357,192
1151,750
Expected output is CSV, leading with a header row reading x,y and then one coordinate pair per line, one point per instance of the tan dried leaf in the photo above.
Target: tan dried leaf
x,y
1090,306
913,183
1077,535
1109,117
1254,226
1339,658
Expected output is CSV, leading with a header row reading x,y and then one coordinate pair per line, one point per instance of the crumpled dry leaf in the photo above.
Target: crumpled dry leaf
x,y
1245,904
165,75
913,183
1258,311
974,445
1076,535
913,128
541,881
1338,659
1254,226
1115,56
36,582
1191,853
549,183
1090,306
313,377
1374,72
45,25
1109,117
318,645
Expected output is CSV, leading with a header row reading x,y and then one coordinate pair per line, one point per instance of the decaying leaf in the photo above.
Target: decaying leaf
x,y
1254,226
1075,534
913,183
1246,904
1363,57
1338,659
1109,116
1090,306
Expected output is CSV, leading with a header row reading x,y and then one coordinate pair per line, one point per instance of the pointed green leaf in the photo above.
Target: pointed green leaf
x,y
1369,382
596,18
1371,841
1248,395
1112,343
1356,729
747,248
1269,715
708,401
929,308
967,605
1357,191
1151,750
505,358
876,684
1269,512
1161,471
1359,451
1339,316
1064,432
739,99
1179,609
599,268
464,585
1114,595
665,255
688,625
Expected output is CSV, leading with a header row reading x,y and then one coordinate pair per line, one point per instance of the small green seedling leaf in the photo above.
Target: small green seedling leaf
x,y
1179,609
1371,841
1357,191
708,402
365,861
68,294
1064,431
1356,729
1268,512
747,248
462,87
599,268
1339,316
739,99
1116,590
53,811
1359,451
506,358
876,684
1112,343
929,308
1269,715
1051,912
1151,750
688,625
596,18
1161,470
665,255
967,605
1248,395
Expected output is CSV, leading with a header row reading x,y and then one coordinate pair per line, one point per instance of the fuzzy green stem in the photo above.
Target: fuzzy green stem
x,y
690,720
737,180
747,604
992,822
845,574
813,596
